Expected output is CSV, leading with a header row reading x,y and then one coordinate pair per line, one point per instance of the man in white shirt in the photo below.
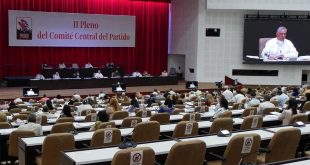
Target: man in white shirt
x,y
136,74
252,101
32,125
98,74
39,77
279,48
164,73
56,76
88,65
83,107
265,104
227,93
61,66
238,97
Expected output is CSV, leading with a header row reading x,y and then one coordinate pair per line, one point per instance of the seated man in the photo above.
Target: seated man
x,y
32,125
76,75
88,65
164,73
115,74
98,74
192,86
31,92
39,77
61,66
56,76
119,88
146,74
136,74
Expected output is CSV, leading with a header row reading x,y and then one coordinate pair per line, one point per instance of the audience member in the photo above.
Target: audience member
x,y
44,98
266,104
113,107
32,125
227,93
12,105
3,117
3,105
289,111
134,101
102,117
66,111
223,107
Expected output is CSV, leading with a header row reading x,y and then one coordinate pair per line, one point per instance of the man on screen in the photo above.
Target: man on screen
x,y
279,48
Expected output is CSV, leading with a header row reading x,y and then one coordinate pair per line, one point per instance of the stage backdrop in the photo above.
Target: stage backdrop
x,y
151,37
28,28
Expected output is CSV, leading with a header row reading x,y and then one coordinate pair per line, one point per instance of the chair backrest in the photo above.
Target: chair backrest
x,y
225,114
235,106
178,111
13,140
62,127
267,111
187,152
162,118
87,111
140,155
185,128
249,111
125,103
118,115
143,113
65,119
299,117
252,121
242,149
191,117
179,106
106,137
52,146
20,116
262,44
91,117
42,119
306,106
4,125
220,124
15,110
283,145
107,125
131,121
146,131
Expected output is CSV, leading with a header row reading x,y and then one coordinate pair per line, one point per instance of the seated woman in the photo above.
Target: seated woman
x,y
223,106
49,105
113,107
66,111
47,113
102,117
289,112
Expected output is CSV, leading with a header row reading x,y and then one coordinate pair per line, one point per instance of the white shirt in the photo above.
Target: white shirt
x,y
56,76
61,66
39,77
263,106
252,102
136,74
18,100
88,65
218,112
98,75
164,74
285,116
228,95
37,128
238,98
277,47
83,107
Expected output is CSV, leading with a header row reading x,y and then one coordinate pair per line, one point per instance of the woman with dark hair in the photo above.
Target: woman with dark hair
x,y
289,112
223,103
49,105
11,106
134,101
66,112
102,117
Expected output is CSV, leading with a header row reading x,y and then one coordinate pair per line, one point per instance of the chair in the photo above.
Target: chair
x,y
107,125
282,146
191,117
225,114
299,117
267,111
202,109
125,103
118,115
126,156
87,111
65,119
13,142
179,106
62,127
15,110
220,124
162,118
241,149
306,106
91,117
146,131
52,146
252,121
105,137
42,120
143,113
185,128
261,45
20,116
4,125
187,152
131,121
178,111
235,106
249,111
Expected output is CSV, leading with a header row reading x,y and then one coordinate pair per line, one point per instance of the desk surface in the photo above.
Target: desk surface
x,y
304,130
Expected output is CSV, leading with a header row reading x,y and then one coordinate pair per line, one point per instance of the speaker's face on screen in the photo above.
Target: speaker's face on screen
x,y
281,35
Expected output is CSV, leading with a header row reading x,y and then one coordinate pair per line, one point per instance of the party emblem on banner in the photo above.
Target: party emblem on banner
x,y
23,28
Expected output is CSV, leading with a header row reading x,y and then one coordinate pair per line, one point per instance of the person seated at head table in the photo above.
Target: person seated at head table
x,y
62,66
146,74
88,65
32,125
115,74
136,74
39,77
164,73
76,75
98,74
56,76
